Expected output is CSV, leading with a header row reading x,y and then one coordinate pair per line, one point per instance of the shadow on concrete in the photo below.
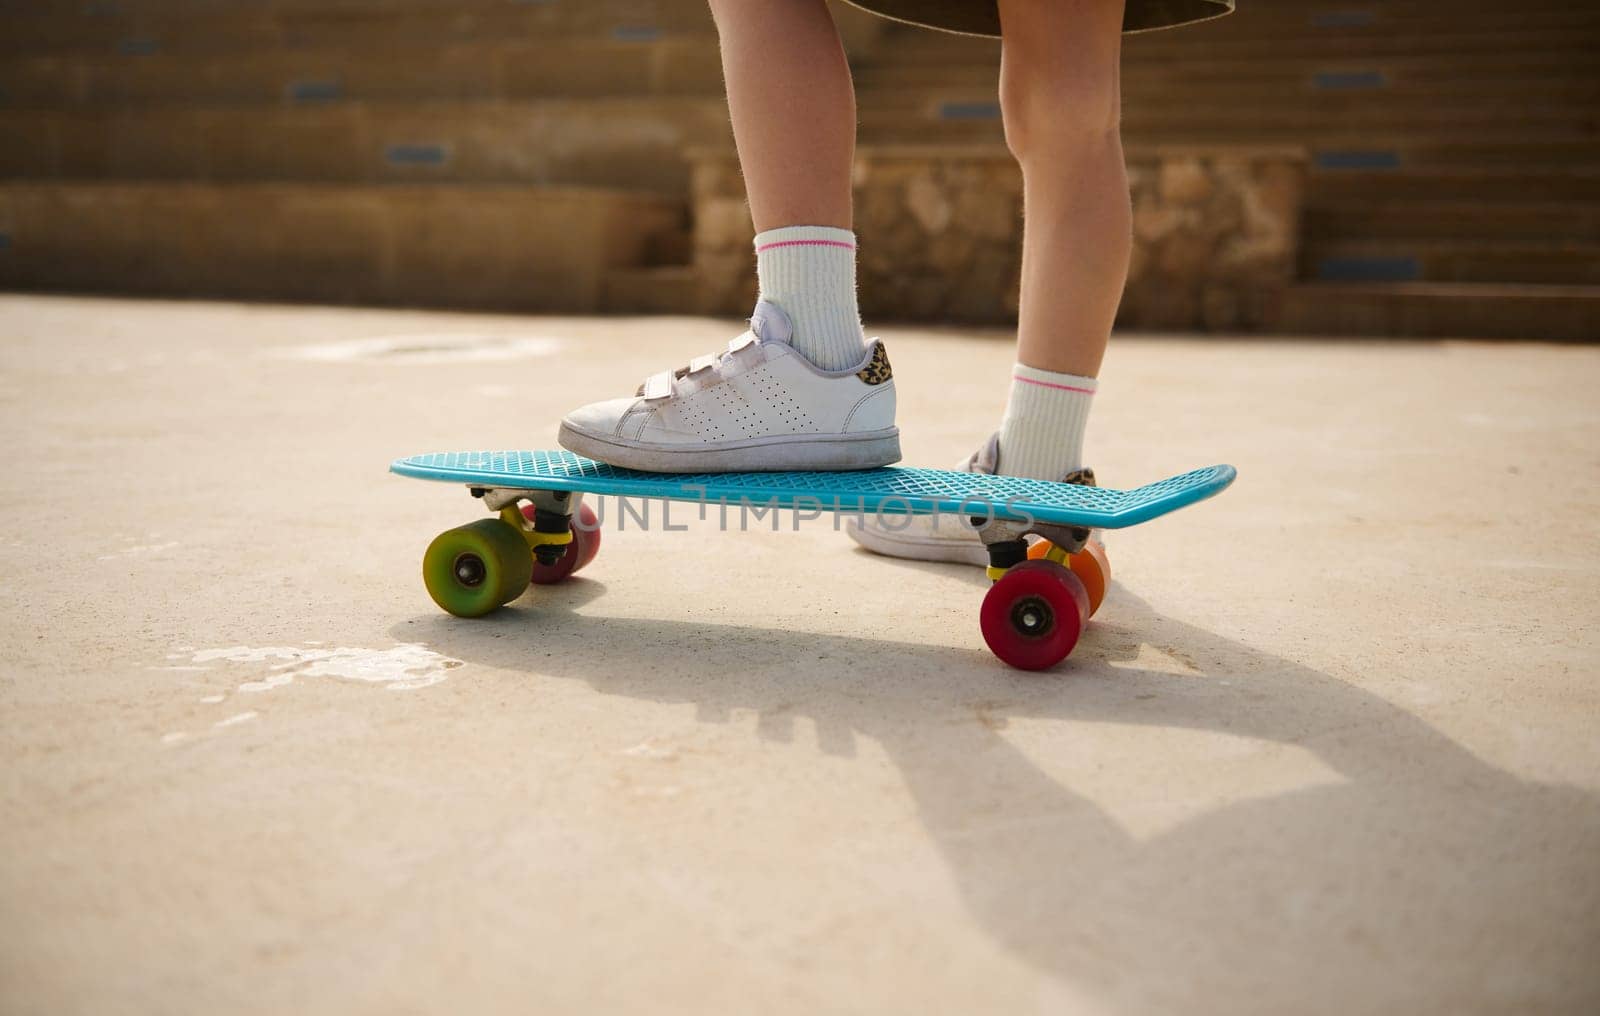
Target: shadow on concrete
x,y
1414,877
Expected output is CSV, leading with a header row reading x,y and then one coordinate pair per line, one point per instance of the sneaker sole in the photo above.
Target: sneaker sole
x,y
757,455
891,544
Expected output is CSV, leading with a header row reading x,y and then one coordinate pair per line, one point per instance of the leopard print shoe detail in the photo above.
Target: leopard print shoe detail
x,y
877,371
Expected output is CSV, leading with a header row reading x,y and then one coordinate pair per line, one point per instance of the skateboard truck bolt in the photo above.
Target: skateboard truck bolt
x,y
549,553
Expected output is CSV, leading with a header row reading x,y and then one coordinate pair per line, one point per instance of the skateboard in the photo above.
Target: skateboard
x,y
1049,574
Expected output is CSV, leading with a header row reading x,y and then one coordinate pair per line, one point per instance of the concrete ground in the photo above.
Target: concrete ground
x,y
1330,747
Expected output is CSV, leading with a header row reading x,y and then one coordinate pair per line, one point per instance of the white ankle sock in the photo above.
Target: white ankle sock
x,y
810,271
1041,435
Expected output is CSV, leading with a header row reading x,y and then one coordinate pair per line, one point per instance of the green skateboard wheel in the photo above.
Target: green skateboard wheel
x,y
473,569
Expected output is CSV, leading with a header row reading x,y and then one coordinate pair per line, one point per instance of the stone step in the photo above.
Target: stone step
x,y
500,70
667,289
528,248
142,29
1331,189
1441,310
1283,67
635,143
1410,115
670,248
92,28
1547,222
1259,25
1333,150
1283,116
591,11
1544,73
632,143
506,70
1482,260
1205,43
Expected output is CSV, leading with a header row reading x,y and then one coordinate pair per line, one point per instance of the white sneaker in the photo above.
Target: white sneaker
x,y
941,537
759,406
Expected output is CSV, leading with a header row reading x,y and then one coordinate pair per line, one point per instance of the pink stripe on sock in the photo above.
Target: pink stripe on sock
x,y
1047,384
806,243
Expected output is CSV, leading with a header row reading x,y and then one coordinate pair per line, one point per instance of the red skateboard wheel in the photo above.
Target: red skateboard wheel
x,y
1034,615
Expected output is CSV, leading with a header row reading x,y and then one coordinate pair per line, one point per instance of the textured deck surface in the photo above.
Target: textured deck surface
x,y
895,489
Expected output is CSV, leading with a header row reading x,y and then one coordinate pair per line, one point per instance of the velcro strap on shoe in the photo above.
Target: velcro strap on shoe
x,y
742,341
657,386
701,363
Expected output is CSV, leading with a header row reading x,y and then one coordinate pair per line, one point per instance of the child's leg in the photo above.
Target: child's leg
x,y
1060,95
793,109
799,390
794,120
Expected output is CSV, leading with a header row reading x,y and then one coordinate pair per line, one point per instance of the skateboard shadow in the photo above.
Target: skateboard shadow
x,y
1414,876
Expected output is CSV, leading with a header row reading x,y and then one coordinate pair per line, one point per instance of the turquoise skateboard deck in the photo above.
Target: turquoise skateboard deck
x,y
897,490
1049,575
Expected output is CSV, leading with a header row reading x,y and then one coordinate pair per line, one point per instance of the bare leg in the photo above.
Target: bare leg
x,y
793,108
1060,94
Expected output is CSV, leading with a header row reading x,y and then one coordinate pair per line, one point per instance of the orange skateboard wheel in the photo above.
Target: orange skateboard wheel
x,y
1091,566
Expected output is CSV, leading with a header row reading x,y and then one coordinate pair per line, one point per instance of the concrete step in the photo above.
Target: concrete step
x,y
591,11
392,8
1355,27
498,71
631,143
1548,222
1338,147
1335,189
668,289
1442,310
1208,42
1291,79
1279,117
611,142
548,249
1483,260
1332,151
96,28
510,70
138,29
1498,151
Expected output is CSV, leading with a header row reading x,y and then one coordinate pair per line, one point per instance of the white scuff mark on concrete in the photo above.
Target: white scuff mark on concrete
x,y
174,737
403,667
236,718
213,699
271,681
134,551
649,748
447,347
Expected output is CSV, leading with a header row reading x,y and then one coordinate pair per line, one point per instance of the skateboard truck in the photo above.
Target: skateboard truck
x,y
548,529
1007,542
